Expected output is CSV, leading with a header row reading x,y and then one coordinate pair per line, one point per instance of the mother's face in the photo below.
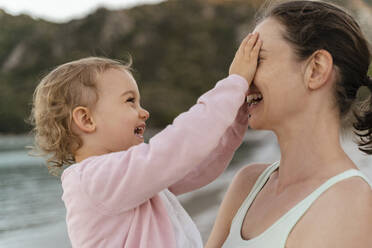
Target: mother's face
x,y
279,78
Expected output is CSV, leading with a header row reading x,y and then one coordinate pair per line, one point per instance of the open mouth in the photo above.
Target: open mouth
x,y
254,99
139,131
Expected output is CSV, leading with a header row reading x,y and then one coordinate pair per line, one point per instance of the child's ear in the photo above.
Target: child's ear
x,y
83,119
319,69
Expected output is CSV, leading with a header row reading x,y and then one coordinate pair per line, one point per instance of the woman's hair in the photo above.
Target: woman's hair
x,y
63,89
314,25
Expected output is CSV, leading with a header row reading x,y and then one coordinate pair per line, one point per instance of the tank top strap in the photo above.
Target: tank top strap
x,y
260,182
294,215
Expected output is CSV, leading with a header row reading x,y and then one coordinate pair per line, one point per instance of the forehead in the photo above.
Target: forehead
x,y
271,33
116,81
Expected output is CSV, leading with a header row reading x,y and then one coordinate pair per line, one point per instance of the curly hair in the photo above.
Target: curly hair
x,y
66,87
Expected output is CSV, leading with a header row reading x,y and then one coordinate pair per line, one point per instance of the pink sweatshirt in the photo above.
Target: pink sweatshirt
x,y
113,200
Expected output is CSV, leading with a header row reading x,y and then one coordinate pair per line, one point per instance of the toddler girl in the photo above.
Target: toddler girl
x,y
119,191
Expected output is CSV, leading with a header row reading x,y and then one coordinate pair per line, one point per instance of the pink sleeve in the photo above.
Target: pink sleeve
x,y
120,181
218,160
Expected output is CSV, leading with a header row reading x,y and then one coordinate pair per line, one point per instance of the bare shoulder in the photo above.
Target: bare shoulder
x,y
341,217
352,189
354,195
234,197
352,199
247,176
242,184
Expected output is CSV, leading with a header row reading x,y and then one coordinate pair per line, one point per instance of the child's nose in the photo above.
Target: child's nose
x,y
144,114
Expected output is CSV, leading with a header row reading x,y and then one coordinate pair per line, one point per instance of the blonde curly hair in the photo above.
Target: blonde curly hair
x,y
68,86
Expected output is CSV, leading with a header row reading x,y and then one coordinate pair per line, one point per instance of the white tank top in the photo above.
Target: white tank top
x,y
276,235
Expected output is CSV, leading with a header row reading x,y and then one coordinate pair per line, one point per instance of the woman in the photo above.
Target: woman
x,y
313,60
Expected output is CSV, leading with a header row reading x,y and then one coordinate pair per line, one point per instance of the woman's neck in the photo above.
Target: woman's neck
x,y
310,149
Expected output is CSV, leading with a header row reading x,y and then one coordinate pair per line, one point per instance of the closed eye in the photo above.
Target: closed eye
x,y
259,60
131,99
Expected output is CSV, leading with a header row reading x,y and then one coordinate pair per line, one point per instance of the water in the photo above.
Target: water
x,y
32,212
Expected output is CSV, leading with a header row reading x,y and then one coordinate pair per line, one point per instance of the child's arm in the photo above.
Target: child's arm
x,y
121,181
218,160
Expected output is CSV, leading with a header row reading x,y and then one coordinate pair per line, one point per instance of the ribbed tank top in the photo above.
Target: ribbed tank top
x,y
276,235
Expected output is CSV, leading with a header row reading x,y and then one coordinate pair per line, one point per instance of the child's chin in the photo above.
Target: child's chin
x,y
137,142
127,147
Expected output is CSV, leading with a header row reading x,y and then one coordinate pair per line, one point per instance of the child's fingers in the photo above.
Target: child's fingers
x,y
257,48
243,44
250,44
245,60
246,39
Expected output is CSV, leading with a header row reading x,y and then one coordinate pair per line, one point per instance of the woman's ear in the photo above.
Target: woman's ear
x,y
82,118
319,69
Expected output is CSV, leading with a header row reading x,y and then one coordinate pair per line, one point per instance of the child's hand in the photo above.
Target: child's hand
x,y
245,61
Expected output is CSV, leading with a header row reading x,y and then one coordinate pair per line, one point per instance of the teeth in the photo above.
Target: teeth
x,y
253,98
138,130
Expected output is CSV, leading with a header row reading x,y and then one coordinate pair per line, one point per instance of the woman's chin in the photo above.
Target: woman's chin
x,y
254,123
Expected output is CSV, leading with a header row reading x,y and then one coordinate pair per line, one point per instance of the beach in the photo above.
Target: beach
x,y
32,213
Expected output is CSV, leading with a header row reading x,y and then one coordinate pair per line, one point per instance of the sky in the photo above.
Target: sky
x,y
65,10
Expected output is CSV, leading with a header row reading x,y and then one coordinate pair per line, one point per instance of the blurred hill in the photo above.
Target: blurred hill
x,y
180,49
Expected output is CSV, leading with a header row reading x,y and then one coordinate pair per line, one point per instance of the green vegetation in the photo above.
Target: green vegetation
x,y
179,48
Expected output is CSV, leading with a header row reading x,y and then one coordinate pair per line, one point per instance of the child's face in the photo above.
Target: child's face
x,y
119,118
